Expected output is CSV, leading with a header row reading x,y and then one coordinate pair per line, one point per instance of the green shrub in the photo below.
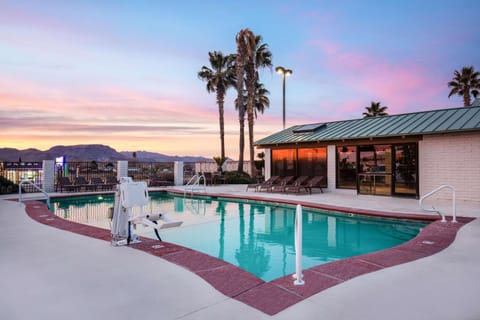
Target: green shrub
x,y
236,177
7,186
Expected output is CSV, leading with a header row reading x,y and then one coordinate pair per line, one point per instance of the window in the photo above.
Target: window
x,y
312,162
283,162
347,167
306,162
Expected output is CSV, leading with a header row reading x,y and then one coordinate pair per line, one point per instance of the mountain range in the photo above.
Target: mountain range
x,y
91,152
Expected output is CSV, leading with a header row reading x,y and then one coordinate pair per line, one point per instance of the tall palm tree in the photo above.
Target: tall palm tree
x,y
375,110
465,83
219,78
262,57
243,60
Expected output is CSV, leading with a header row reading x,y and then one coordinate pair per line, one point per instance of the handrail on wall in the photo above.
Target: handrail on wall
x,y
454,202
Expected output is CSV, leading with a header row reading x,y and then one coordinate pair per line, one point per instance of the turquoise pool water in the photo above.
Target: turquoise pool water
x,y
257,237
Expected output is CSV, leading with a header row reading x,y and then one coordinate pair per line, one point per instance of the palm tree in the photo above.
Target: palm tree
x,y
465,83
219,78
262,57
375,110
261,100
243,60
261,103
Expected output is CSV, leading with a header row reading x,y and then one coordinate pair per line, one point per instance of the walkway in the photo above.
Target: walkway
x,y
50,273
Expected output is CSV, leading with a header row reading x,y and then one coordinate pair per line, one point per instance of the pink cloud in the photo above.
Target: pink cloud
x,y
398,84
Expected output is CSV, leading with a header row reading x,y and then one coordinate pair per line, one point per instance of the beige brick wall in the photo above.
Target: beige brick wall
x,y
452,159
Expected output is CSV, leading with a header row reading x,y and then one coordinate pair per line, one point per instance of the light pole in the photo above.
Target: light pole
x,y
285,73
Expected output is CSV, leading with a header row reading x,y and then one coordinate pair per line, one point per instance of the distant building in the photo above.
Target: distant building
x,y
398,155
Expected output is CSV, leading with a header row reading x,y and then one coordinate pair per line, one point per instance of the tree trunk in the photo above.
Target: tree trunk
x,y
466,97
241,116
250,116
220,100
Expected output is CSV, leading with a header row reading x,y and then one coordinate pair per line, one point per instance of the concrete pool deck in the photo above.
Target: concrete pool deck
x,y
50,273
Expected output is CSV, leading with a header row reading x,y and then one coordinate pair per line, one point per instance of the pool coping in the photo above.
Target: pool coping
x,y
279,294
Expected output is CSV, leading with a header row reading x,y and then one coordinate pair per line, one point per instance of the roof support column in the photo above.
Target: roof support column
x,y
331,167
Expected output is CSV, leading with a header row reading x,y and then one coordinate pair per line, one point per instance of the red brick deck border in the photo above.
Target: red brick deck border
x,y
279,294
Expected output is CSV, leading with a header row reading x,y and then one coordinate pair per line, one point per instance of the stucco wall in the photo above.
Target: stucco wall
x,y
452,159
331,167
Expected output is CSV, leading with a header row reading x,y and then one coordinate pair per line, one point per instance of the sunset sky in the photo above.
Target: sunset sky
x,y
124,73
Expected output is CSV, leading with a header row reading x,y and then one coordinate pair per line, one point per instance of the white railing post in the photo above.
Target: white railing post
x,y
298,276
454,202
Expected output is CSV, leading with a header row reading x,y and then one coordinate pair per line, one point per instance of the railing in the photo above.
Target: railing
x,y
14,172
194,184
454,202
26,181
298,276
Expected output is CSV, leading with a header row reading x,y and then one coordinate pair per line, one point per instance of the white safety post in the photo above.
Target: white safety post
x,y
298,276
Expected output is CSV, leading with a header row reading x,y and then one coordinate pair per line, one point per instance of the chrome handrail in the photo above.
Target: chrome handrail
x,y
194,183
26,181
454,202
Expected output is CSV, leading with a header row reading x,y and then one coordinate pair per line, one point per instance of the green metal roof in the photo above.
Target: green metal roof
x,y
418,123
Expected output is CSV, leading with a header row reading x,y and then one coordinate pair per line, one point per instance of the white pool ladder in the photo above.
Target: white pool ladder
x,y
195,184
454,202
26,181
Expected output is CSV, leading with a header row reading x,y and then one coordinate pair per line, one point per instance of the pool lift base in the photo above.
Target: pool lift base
x,y
131,195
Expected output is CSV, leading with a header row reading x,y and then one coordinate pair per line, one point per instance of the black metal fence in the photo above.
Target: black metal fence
x,y
11,173
86,169
154,173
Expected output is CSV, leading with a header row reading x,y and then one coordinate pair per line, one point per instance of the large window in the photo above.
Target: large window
x,y
347,167
312,162
304,162
283,162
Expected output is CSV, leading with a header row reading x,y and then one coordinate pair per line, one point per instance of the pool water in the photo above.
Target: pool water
x,y
255,236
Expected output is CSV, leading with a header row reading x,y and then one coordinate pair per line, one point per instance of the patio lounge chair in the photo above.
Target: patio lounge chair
x,y
280,186
81,182
267,185
255,186
65,183
97,183
297,185
315,182
110,182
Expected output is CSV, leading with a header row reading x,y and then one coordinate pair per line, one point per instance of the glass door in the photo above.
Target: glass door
x,y
405,170
375,169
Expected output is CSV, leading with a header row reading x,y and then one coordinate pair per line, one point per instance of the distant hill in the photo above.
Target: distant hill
x,y
158,157
89,152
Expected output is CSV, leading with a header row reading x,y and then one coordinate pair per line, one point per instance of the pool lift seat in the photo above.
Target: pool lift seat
x,y
130,195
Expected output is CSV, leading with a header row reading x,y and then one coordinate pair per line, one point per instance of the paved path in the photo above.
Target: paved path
x,y
54,274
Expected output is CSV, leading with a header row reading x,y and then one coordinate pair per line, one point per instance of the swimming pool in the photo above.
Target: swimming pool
x,y
255,236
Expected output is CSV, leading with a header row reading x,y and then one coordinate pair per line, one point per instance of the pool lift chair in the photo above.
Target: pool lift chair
x,y
130,195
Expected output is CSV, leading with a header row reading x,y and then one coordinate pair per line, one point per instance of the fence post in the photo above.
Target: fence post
x,y
178,173
48,177
122,169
